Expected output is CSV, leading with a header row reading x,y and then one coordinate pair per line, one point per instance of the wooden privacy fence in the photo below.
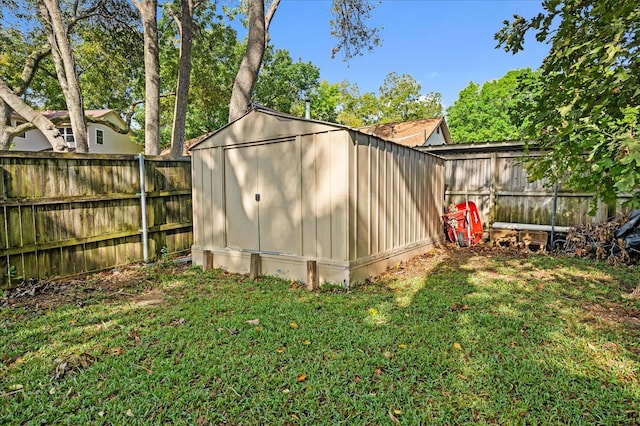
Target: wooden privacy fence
x,y
62,214
492,176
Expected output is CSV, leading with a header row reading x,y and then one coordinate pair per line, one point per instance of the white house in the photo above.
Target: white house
x,y
102,138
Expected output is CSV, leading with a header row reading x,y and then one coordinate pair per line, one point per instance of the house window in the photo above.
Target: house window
x,y
67,134
100,137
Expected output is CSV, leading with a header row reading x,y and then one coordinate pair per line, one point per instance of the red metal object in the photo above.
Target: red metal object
x,y
462,224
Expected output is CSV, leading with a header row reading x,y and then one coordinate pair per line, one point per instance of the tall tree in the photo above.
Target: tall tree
x,y
149,12
185,27
401,99
93,26
348,27
493,111
250,66
109,55
20,58
215,57
587,114
65,64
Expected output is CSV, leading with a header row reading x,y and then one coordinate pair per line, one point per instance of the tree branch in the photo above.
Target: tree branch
x,y
267,19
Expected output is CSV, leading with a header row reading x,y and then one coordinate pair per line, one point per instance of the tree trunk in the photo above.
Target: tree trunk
x,y
148,12
184,77
251,61
43,124
66,70
5,124
30,67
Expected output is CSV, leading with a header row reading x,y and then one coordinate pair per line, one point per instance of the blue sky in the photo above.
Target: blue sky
x,y
442,44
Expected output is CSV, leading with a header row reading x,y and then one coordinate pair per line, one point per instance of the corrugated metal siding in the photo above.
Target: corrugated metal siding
x,y
397,197
207,191
303,185
355,206
324,175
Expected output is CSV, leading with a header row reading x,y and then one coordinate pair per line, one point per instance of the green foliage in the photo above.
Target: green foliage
x,y
19,37
282,83
586,113
325,100
164,254
348,26
107,51
12,273
399,99
110,61
494,111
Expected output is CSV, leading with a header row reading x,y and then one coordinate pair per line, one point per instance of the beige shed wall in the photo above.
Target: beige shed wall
x,y
397,198
302,214
351,202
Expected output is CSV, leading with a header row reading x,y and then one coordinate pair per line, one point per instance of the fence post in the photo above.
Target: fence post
x,y
208,260
143,207
254,267
312,275
493,186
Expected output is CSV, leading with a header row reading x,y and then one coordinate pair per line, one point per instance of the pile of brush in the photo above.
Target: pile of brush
x,y
617,241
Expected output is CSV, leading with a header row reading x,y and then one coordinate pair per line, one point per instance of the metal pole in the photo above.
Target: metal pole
x,y
553,216
143,206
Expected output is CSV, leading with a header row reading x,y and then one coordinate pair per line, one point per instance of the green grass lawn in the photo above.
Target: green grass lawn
x,y
453,337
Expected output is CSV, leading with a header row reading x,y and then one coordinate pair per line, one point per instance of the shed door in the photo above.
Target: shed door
x,y
263,197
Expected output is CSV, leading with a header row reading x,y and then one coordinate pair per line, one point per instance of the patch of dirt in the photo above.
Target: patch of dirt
x,y
446,255
120,284
154,297
615,313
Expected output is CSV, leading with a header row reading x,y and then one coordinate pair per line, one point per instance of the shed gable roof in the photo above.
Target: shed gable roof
x,y
260,124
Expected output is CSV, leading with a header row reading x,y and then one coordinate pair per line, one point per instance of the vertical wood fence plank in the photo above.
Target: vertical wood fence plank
x,y
47,230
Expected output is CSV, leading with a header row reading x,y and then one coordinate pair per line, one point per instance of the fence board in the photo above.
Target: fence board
x,y
63,214
492,176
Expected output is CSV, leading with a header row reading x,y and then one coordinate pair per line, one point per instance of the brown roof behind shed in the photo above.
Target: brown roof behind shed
x,y
187,144
409,133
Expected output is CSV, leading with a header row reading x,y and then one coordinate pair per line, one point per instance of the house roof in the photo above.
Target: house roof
x,y
95,113
410,133
188,144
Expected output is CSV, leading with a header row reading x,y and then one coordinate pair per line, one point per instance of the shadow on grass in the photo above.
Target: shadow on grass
x,y
453,337
524,339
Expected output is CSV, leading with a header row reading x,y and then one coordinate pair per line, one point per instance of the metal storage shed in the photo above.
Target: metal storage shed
x,y
294,190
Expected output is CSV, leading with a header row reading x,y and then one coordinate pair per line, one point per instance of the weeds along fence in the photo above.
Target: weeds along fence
x,y
63,214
